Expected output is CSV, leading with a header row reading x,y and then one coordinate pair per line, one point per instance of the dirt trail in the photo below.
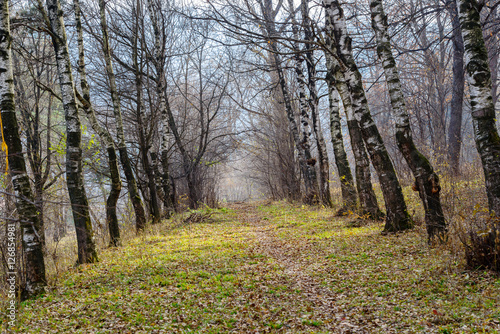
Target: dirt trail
x,y
291,258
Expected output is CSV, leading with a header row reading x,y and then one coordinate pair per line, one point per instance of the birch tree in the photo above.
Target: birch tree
x,y
144,147
30,100
481,99
397,215
87,252
367,199
155,13
31,229
344,170
426,180
135,197
116,183
324,165
302,143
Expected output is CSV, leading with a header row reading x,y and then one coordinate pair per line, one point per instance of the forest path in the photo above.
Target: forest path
x,y
292,260
267,268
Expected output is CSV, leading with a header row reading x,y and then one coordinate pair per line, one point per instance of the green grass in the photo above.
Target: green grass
x,y
396,279
217,277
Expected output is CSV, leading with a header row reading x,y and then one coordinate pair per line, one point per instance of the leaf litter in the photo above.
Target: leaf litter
x,y
275,268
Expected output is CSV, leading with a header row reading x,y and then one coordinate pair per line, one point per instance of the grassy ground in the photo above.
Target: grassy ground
x,y
270,268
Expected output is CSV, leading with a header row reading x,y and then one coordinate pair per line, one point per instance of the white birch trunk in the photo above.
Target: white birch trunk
x,y
397,216
31,229
426,181
366,194
481,100
87,252
303,114
344,170
305,159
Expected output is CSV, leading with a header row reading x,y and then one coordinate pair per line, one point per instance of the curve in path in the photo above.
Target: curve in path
x,y
286,256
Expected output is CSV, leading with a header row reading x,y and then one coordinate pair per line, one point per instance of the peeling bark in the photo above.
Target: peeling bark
x,y
368,200
481,100
301,144
489,20
87,252
426,180
397,216
28,216
310,176
345,175
307,170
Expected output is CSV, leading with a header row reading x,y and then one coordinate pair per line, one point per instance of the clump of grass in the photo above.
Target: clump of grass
x,y
482,246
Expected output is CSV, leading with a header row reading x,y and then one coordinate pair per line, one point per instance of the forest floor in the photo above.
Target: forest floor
x,y
275,267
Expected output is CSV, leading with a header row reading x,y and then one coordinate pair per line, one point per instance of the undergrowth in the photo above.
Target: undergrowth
x,y
214,276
